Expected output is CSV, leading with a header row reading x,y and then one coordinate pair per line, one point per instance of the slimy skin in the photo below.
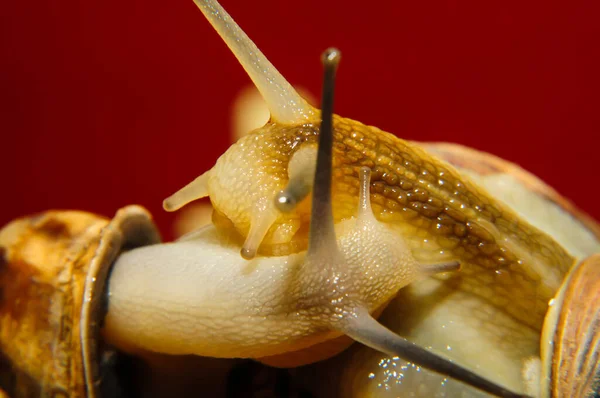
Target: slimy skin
x,y
443,215
200,297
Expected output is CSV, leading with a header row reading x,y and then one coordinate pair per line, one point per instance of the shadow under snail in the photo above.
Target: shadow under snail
x,y
486,278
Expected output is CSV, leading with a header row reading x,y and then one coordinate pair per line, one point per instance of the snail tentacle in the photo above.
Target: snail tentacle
x,y
262,220
301,172
322,229
363,328
365,217
196,189
285,104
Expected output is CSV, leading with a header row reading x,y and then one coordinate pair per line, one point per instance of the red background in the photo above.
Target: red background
x,y
107,103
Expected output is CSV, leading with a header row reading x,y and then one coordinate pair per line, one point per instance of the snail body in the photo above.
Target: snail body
x,y
278,306
319,224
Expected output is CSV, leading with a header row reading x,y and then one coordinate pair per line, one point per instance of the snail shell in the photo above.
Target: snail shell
x,y
571,338
53,269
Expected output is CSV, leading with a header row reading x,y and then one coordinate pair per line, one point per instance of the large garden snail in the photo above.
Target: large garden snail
x,y
299,291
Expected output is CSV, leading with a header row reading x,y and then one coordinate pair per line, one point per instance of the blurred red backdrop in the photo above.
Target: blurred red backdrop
x,y
107,103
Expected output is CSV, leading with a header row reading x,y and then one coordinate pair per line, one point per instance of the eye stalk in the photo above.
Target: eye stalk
x,y
285,104
321,224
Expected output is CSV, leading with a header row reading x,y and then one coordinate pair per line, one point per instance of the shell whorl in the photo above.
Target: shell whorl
x,y
571,339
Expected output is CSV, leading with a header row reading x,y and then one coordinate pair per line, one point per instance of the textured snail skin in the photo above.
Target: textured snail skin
x,y
198,296
442,214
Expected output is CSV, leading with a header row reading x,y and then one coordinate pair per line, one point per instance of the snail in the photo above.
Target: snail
x,y
319,223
